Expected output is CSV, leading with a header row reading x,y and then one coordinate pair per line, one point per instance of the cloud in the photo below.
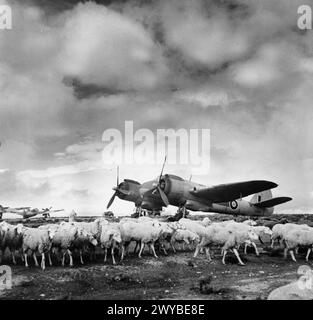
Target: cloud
x,y
203,33
103,47
69,71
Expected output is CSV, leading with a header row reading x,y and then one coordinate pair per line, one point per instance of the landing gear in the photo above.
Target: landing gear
x,y
138,212
1,213
182,212
155,213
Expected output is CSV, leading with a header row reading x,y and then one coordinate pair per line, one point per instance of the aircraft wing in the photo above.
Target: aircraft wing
x,y
232,191
272,202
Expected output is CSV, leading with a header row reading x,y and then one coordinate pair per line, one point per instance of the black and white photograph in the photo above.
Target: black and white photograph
x,y
156,150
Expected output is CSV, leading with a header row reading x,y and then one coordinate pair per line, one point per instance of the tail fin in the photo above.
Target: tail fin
x,y
265,199
261,196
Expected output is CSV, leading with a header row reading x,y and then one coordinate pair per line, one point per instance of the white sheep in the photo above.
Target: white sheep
x,y
205,222
94,228
194,227
167,230
230,237
82,240
184,236
280,230
246,227
144,233
259,230
12,239
2,232
64,238
37,240
110,239
72,216
295,237
249,222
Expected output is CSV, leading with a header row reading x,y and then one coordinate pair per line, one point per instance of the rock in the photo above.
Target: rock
x,y
117,278
298,290
205,285
190,263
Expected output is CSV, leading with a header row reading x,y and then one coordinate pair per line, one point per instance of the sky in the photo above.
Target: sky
x,y
71,70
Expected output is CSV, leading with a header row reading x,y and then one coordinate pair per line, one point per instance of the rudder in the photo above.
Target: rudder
x,y
262,196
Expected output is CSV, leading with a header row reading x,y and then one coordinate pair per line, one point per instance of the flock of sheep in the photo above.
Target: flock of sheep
x,y
65,238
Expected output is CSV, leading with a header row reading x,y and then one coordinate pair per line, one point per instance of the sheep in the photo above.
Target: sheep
x,y
11,239
205,222
82,240
92,227
176,225
277,233
280,230
249,222
301,236
110,238
259,230
167,230
126,219
145,233
35,239
194,227
230,237
95,229
2,233
64,238
144,219
72,216
184,236
49,226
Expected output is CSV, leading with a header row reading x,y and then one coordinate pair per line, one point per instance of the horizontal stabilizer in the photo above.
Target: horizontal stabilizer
x,y
272,202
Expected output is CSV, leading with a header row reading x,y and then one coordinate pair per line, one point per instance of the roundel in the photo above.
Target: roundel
x,y
234,204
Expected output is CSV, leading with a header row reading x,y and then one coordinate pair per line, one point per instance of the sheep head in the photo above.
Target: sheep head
x,y
195,239
51,233
117,237
4,226
19,228
252,235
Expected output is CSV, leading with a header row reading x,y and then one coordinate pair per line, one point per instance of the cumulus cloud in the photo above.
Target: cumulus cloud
x,y
71,70
105,48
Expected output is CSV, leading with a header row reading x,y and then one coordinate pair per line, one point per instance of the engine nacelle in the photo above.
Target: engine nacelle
x,y
196,206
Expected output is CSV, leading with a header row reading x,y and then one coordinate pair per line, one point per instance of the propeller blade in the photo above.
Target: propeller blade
x,y
162,169
163,196
117,176
111,200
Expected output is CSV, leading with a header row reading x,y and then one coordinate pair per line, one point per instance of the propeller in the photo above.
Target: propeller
x,y
117,189
158,187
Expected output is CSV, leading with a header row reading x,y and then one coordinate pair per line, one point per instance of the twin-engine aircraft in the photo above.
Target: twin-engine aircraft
x,y
172,190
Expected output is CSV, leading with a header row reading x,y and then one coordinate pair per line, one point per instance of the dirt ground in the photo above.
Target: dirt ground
x,y
175,276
